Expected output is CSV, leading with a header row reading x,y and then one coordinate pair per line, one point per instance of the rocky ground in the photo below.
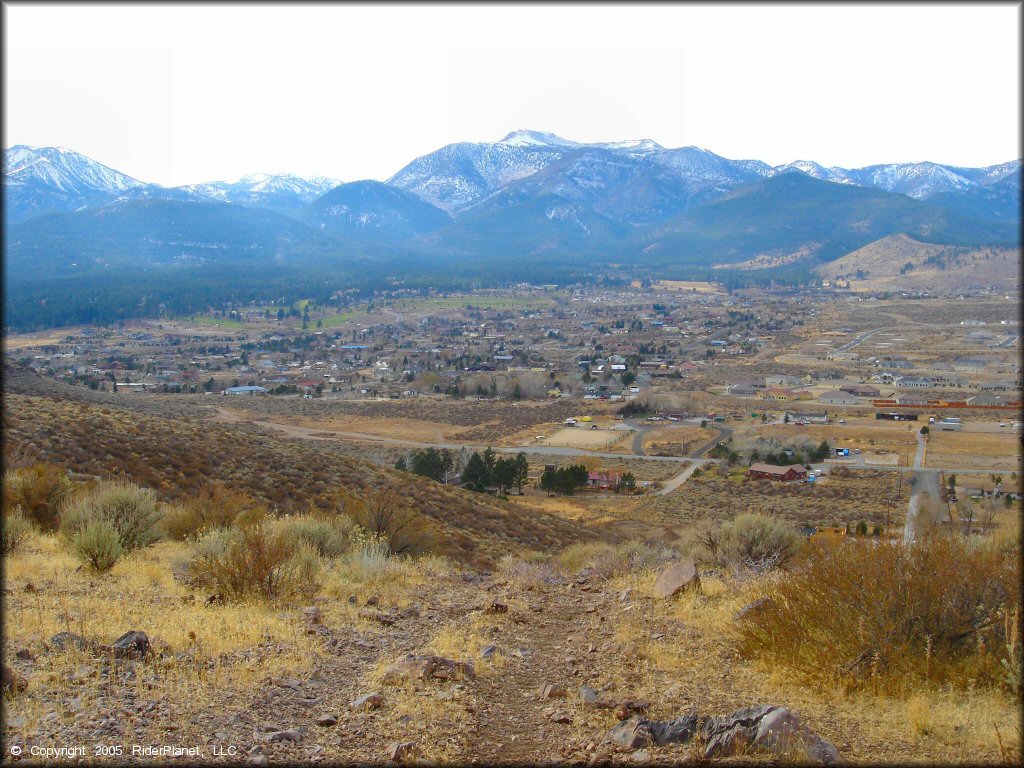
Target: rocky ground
x,y
523,666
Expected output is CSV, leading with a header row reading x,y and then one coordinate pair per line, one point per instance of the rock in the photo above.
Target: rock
x,y
425,667
522,653
680,730
258,760
770,729
312,615
497,608
366,701
489,651
675,578
290,735
631,734
353,599
378,616
371,601
625,595
599,757
755,608
131,645
562,717
10,682
24,655
62,641
215,600
588,694
326,721
400,751
553,691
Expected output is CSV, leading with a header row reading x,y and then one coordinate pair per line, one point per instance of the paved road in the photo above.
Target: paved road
x,y
851,344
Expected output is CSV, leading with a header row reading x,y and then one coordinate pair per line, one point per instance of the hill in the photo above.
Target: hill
x,y
793,213
177,456
900,263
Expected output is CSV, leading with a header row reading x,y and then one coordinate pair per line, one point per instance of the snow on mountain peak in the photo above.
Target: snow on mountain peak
x,y
525,138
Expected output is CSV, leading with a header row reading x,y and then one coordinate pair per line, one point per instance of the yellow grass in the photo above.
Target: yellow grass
x,y
583,437
973,450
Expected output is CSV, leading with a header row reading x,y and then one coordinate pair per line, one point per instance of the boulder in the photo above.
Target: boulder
x,y
64,641
768,729
400,751
553,691
326,721
289,735
131,645
680,730
425,667
675,578
366,701
631,734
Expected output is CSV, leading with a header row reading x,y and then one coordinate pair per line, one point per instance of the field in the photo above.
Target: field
x,y
866,495
688,285
678,440
886,437
584,437
973,450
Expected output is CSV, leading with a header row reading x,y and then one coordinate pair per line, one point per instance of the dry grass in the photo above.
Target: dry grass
x,y
974,450
693,667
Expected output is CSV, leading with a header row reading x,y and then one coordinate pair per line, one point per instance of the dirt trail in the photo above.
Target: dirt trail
x,y
556,632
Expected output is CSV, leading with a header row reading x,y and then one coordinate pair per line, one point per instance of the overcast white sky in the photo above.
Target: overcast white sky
x,y
180,94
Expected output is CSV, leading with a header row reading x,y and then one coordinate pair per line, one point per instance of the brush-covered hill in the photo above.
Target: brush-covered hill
x,y
901,263
177,456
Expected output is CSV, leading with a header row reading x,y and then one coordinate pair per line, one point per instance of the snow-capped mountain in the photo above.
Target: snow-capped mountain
x,y
815,171
46,179
279,191
458,175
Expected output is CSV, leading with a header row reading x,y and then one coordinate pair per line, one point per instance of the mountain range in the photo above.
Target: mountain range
x,y
531,204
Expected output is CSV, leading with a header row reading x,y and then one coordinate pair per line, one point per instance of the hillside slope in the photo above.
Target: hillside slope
x,y
883,266
177,456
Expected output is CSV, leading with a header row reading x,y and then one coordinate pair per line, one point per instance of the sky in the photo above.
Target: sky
x,y
178,94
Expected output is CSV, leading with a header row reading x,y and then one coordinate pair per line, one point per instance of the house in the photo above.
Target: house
x,y
772,472
986,398
861,390
607,481
251,390
837,397
811,417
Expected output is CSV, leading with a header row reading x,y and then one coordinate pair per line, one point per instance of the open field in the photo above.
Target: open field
x,y
676,440
864,495
974,450
891,437
461,302
584,437
688,285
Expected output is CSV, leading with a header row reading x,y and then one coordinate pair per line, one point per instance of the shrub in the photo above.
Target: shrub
x,y
16,530
329,537
258,561
386,514
40,490
129,510
879,613
98,545
218,506
752,542
607,561
180,522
